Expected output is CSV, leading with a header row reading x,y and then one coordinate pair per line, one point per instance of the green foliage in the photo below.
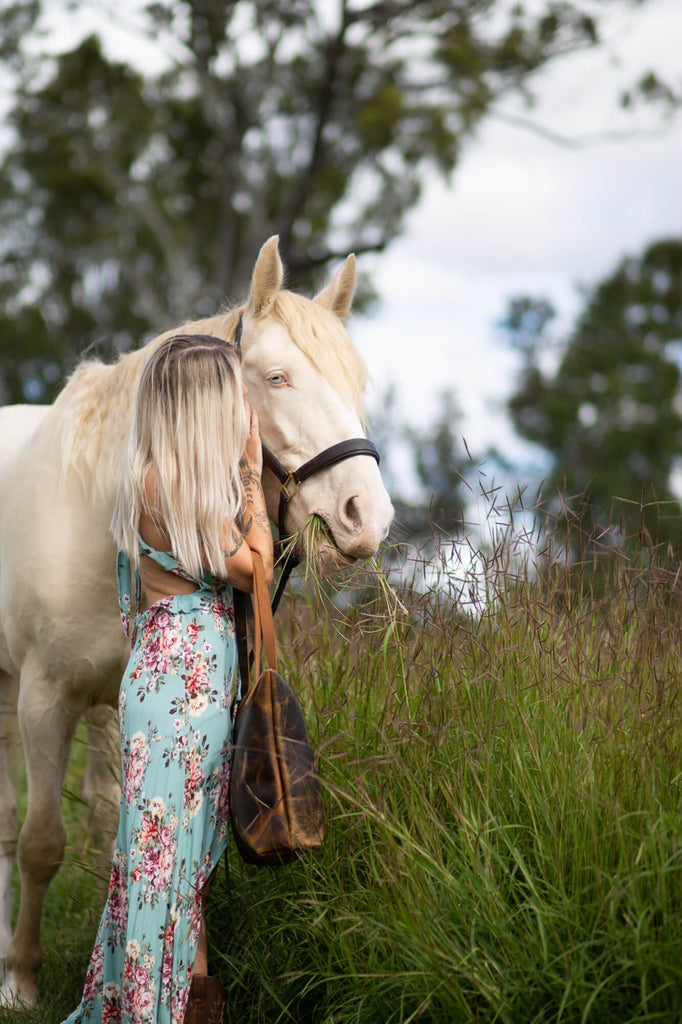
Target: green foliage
x,y
133,199
503,797
610,413
441,461
17,19
436,461
60,203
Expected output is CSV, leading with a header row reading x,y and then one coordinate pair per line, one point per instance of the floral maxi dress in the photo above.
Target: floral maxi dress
x,y
174,709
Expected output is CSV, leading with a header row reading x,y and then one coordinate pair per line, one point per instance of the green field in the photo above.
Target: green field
x,y
503,795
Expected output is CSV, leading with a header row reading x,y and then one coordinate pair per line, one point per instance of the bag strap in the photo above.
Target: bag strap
x,y
135,609
242,637
264,627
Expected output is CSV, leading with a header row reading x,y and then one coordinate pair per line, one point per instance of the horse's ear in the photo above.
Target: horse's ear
x,y
338,295
267,278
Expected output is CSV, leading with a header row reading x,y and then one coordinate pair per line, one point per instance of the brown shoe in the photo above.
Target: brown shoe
x,y
207,1001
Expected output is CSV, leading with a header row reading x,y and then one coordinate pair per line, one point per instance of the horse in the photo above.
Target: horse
x,y
60,632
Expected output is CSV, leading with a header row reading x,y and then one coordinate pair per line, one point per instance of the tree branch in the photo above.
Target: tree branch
x,y
293,208
321,256
575,142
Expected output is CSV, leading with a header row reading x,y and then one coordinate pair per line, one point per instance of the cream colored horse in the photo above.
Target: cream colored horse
x,y
60,632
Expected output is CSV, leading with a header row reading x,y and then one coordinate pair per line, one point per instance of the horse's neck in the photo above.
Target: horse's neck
x,y
18,423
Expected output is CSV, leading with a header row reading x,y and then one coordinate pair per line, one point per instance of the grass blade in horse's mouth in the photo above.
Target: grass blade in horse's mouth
x,y
314,542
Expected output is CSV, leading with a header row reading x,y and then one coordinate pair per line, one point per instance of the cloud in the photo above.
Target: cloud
x,y
526,216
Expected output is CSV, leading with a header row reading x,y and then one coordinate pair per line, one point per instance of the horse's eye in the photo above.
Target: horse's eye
x,y
278,379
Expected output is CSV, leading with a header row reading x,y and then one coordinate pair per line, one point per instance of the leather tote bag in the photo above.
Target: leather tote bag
x,y
276,806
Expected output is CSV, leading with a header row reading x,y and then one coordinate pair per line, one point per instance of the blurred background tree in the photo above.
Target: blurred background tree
x,y
133,198
426,470
606,402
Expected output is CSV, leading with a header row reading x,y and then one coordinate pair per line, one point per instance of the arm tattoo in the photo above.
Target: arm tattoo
x,y
237,541
259,519
251,484
263,520
247,473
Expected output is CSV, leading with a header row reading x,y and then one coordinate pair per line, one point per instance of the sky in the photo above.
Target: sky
x,y
525,215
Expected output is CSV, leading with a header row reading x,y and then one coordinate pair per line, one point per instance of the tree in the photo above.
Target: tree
x,y
610,413
425,469
133,199
441,462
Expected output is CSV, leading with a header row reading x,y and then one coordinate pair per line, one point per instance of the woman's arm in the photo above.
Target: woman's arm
x,y
255,521
255,524
238,560
255,533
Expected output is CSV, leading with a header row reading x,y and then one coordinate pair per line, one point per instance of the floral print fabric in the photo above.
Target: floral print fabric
x,y
175,730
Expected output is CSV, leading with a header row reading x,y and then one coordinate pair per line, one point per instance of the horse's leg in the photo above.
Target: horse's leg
x,y
8,815
47,726
101,784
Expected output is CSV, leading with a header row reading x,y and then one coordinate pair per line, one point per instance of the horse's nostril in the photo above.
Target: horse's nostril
x,y
352,511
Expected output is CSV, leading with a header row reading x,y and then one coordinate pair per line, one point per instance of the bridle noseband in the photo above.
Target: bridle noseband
x,y
291,479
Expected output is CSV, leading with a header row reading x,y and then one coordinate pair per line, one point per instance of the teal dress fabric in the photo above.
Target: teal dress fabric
x,y
174,710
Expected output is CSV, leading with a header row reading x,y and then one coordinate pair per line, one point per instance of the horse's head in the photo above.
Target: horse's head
x,y
306,381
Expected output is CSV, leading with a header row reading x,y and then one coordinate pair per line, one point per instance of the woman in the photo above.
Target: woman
x,y
190,511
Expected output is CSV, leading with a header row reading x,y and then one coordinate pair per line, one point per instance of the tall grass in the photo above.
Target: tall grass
x,y
503,807
503,794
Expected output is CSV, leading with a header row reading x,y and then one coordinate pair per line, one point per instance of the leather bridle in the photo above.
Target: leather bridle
x,y
291,479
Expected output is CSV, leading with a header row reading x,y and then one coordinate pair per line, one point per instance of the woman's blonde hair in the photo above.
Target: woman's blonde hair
x,y
190,425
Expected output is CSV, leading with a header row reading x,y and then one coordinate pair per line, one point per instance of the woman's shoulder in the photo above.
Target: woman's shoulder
x,y
151,526
150,487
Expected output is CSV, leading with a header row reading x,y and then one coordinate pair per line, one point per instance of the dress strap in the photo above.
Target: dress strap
x,y
163,558
170,563
128,591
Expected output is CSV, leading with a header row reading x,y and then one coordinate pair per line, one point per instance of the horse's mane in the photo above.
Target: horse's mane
x,y
91,417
